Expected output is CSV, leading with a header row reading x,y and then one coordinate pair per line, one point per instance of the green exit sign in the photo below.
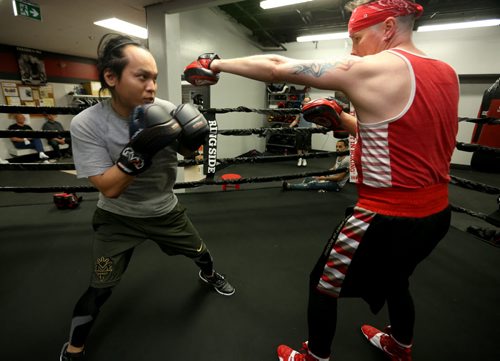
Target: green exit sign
x,y
29,10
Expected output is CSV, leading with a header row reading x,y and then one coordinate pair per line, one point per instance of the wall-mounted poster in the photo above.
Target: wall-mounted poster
x,y
26,93
13,100
31,66
9,89
31,95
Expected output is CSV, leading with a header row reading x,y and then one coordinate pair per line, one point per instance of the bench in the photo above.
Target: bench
x,y
13,151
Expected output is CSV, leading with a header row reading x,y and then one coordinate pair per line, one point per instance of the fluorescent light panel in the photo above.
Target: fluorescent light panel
x,y
123,27
330,36
464,25
269,4
14,7
424,28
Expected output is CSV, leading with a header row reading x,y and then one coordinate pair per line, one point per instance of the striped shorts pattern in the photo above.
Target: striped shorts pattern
x,y
343,250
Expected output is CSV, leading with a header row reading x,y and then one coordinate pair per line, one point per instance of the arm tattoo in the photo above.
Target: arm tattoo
x,y
318,69
314,69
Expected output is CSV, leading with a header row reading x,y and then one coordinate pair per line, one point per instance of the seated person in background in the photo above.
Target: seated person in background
x,y
334,182
55,143
26,143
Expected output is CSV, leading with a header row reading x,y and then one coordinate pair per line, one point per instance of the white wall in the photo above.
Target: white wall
x,y
205,31
472,51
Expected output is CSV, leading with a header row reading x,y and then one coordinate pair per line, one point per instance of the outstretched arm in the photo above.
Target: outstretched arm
x,y
321,74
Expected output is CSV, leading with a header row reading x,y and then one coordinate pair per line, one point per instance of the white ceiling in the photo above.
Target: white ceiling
x,y
67,25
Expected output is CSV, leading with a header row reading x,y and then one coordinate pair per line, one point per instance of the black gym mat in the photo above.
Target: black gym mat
x,y
266,242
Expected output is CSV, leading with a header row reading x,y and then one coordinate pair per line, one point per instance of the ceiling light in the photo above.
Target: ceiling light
x,y
269,4
330,36
123,27
464,25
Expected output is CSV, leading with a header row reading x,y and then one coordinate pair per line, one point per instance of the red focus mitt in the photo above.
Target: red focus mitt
x,y
324,112
199,73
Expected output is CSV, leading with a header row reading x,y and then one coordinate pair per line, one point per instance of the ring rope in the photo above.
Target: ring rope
x,y
466,147
479,215
264,131
75,110
29,109
276,158
259,131
243,109
480,120
83,189
37,166
180,163
480,187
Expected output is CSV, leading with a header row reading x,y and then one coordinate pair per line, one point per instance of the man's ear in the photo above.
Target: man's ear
x,y
110,78
389,28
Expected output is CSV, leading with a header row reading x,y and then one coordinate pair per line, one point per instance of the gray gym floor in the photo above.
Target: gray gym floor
x,y
266,242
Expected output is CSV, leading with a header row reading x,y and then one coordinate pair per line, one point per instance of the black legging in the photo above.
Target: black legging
x,y
85,312
88,306
401,315
322,322
322,319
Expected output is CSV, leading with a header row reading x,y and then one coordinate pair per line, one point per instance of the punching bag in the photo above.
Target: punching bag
x,y
488,134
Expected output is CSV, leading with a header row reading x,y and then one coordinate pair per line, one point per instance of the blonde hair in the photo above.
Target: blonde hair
x,y
351,5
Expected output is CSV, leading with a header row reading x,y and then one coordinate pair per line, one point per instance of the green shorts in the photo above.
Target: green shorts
x,y
116,237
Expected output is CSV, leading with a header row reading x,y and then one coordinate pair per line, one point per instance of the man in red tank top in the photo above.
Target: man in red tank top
x,y
406,123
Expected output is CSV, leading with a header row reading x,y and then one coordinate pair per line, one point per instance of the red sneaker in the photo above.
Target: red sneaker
x,y
387,344
286,353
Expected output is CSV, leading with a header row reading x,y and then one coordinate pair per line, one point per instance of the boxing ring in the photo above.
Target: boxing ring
x,y
212,164
264,239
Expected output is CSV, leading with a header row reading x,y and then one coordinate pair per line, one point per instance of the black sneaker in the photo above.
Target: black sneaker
x,y
284,186
67,356
219,283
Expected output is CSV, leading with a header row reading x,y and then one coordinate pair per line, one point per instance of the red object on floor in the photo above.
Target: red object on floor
x,y
230,176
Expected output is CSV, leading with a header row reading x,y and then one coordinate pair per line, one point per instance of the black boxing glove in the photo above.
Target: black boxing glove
x,y
194,126
324,112
152,128
199,73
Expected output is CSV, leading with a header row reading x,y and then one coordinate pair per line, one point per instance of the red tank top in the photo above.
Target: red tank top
x,y
403,163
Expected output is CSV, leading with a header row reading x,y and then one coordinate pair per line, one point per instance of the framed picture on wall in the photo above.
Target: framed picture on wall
x,y
31,66
13,100
46,91
9,89
26,93
46,102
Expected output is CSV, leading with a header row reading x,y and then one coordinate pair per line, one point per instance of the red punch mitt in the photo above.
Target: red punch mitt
x,y
324,112
199,73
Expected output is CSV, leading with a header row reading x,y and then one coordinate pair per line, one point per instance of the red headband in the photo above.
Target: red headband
x,y
376,12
